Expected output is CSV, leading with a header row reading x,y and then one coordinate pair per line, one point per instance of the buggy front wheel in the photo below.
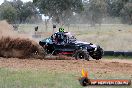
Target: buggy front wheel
x,y
81,54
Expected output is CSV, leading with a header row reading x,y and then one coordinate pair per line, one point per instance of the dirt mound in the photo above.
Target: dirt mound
x,y
13,44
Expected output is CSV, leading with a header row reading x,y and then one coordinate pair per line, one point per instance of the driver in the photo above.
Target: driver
x,y
62,37
58,37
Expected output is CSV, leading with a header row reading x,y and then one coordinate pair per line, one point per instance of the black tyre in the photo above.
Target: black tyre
x,y
81,54
48,49
97,54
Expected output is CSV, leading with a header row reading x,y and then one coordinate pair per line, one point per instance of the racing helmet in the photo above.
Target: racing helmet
x,y
61,29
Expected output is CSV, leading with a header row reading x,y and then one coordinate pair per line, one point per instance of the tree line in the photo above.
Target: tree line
x,y
17,11
67,11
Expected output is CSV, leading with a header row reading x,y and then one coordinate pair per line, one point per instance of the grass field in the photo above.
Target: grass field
x,y
36,79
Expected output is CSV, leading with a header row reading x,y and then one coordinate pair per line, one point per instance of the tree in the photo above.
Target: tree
x,y
59,10
8,12
18,4
18,12
115,7
95,10
25,10
121,8
126,13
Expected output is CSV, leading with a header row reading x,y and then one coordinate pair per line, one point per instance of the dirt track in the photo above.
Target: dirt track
x,y
101,66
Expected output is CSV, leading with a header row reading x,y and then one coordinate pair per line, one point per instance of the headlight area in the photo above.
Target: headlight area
x,y
95,49
94,46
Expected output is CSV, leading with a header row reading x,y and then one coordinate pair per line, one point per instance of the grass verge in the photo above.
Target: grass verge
x,y
10,78
36,79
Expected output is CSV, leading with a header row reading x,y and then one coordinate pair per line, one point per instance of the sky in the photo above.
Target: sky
x,y
1,1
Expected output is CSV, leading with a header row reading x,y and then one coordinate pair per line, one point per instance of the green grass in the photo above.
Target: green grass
x,y
11,78
36,79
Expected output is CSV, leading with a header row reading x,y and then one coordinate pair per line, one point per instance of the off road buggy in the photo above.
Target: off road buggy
x,y
66,44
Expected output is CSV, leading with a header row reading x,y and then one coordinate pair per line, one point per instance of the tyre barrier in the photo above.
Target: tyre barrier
x,y
128,53
117,53
108,53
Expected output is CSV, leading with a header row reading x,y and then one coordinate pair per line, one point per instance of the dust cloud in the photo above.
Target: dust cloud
x,y
17,45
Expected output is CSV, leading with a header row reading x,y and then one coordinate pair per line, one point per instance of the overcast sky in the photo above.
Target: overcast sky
x,y
1,1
